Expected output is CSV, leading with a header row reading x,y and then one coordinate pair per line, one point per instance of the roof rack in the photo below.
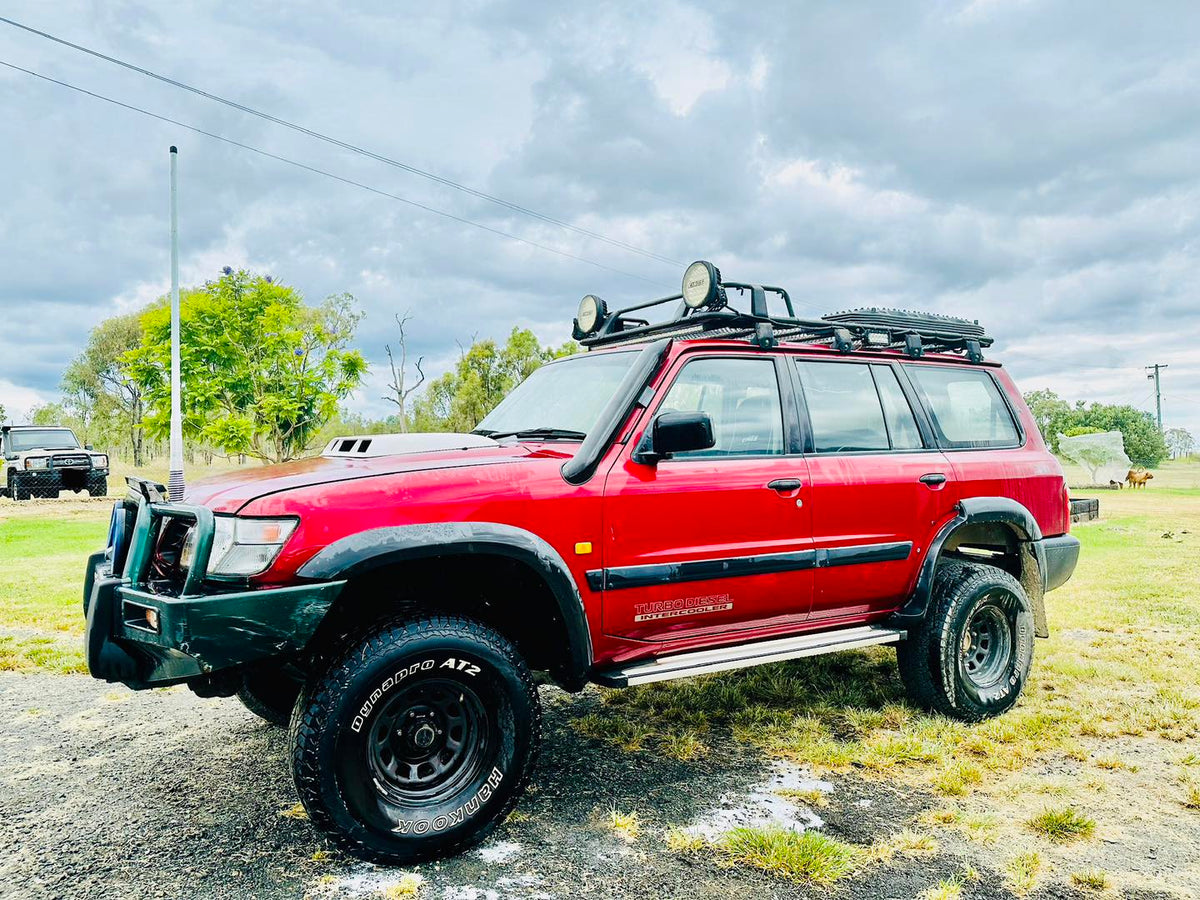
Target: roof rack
x,y
913,333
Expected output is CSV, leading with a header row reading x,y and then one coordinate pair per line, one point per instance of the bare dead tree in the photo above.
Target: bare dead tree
x,y
400,390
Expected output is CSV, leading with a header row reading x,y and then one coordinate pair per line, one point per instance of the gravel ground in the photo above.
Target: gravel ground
x,y
106,793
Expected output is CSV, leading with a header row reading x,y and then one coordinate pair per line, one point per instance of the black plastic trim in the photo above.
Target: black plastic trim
x,y
1001,510
378,547
1062,554
622,577
582,465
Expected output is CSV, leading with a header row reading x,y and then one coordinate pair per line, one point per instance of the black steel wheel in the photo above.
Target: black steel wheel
x,y
972,655
416,740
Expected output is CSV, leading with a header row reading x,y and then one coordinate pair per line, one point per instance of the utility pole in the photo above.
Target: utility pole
x,y
175,485
1157,390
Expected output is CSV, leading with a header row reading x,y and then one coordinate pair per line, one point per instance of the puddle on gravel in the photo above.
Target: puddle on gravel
x,y
500,852
764,805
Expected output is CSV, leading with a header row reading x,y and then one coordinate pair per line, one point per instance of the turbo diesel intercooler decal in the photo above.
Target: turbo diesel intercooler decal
x,y
681,606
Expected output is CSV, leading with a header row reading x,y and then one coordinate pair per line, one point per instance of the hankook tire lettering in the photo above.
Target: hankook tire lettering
x,y
460,665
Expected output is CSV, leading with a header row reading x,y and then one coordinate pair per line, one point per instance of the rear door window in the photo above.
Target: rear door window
x,y
901,424
966,407
843,407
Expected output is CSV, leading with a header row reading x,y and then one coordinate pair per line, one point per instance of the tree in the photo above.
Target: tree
x,y
484,374
399,392
1144,443
99,390
1051,414
1179,441
261,371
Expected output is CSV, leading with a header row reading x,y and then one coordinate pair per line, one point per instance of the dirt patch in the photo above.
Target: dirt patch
x,y
104,793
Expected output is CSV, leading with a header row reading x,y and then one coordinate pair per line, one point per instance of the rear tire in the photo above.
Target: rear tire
x,y
270,695
418,738
971,656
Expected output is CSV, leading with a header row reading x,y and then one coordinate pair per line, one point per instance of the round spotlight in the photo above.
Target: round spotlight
x,y
702,286
592,312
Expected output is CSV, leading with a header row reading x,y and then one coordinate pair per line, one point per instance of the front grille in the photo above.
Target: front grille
x,y
61,462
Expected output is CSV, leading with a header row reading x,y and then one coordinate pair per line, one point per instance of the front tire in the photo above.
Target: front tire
x,y
416,740
97,487
971,657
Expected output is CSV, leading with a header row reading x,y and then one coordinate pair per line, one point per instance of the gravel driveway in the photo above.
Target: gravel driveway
x,y
107,793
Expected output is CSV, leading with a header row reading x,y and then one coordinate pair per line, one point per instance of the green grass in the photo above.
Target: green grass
x,y
808,856
1063,825
1091,879
42,561
1022,872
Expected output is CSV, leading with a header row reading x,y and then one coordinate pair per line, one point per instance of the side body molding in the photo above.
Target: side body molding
x,y
376,547
988,510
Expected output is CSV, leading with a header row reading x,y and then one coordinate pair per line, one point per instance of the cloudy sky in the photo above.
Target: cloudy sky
x,y
1035,165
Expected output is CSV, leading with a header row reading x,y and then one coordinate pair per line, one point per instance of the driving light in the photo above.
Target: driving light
x,y
37,462
702,286
592,312
247,546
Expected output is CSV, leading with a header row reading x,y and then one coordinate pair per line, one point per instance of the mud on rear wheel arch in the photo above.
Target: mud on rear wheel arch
x,y
359,554
1006,521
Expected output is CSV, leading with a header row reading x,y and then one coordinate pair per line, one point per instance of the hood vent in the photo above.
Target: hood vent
x,y
369,445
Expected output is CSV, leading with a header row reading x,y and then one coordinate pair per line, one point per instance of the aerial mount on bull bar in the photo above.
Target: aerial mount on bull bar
x,y
703,312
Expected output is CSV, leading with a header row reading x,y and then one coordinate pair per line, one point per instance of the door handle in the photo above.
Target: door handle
x,y
784,485
933,479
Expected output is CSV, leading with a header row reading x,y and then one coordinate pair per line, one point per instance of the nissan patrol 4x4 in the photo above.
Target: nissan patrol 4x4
x,y
40,461
725,488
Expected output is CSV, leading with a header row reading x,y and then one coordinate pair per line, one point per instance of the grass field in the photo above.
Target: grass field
x,y
1101,756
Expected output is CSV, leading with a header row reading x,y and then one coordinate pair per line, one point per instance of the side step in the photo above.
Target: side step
x,y
703,662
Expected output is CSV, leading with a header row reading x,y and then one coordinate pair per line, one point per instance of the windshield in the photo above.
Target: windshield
x,y
566,396
42,439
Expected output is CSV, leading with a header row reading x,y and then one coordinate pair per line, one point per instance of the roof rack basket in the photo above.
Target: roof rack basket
x,y
915,334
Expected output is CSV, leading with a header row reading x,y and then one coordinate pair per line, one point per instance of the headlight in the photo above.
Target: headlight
x,y
100,461
246,546
37,462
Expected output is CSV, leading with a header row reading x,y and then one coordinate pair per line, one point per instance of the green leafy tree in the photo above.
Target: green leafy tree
x,y
261,371
484,374
101,393
1144,443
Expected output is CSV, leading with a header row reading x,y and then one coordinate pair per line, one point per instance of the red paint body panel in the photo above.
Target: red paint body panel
x,y
636,514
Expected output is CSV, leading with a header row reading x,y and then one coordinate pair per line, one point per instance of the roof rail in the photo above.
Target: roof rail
x,y
913,333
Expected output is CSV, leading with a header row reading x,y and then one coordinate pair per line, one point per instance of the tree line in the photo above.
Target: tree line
x,y
264,375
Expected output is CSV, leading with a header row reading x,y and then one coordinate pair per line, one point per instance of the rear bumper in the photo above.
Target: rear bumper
x,y
1062,554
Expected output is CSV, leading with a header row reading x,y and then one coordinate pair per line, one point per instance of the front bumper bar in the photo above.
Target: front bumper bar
x,y
146,639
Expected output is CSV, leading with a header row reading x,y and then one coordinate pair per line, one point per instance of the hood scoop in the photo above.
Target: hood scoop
x,y
368,445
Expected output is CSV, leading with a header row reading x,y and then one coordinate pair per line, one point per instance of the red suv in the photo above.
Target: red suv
x,y
717,490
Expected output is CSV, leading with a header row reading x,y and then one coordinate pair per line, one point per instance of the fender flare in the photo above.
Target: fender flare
x,y
1000,510
376,547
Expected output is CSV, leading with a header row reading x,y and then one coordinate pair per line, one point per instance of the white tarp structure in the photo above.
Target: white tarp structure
x,y
1102,455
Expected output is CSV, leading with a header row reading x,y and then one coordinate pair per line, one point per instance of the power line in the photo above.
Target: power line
x,y
345,145
316,171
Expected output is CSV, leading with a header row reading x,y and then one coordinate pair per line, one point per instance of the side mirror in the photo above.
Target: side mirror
x,y
88,447
676,432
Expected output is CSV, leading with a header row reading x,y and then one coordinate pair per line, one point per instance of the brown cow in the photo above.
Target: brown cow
x,y
1138,479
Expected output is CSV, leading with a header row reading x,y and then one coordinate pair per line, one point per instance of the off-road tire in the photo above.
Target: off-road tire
x,y
950,664
354,722
18,489
270,695
97,487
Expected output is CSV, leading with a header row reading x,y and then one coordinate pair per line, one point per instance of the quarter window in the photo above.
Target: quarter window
x,y
741,396
966,407
843,407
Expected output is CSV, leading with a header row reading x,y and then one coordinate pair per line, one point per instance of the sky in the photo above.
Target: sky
x,y
1033,165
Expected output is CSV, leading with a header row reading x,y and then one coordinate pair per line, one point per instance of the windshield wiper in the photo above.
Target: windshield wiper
x,y
565,434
